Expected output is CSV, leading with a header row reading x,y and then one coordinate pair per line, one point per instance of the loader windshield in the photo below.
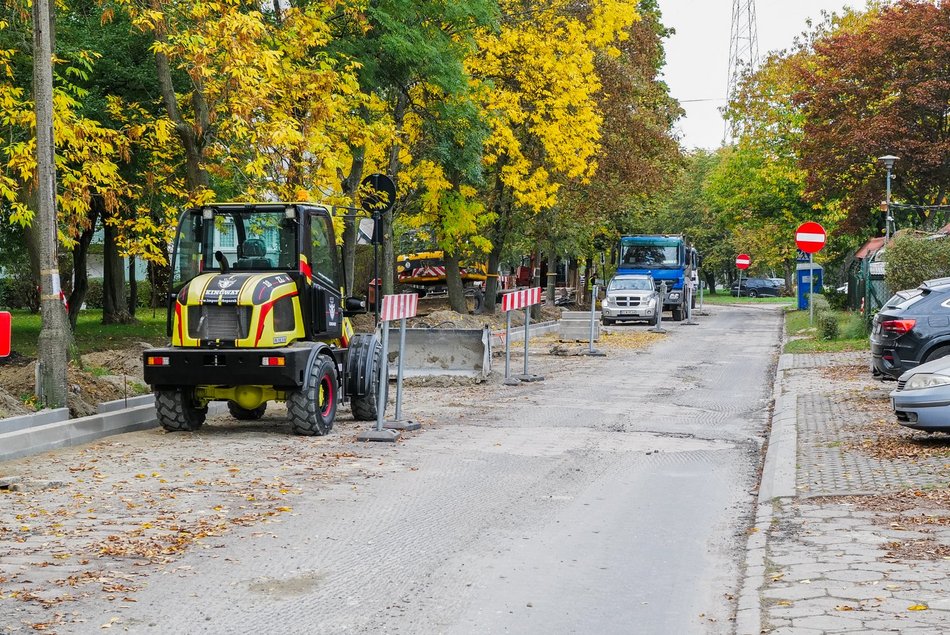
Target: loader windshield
x,y
248,240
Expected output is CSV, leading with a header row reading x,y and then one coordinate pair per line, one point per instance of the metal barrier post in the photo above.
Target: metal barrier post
x,y
402,357
689,307
593,316
527,335
656,328
383,379
509,380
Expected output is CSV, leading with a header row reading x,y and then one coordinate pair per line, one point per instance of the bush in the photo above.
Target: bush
x,y
828,326
94,294
837,300
912,259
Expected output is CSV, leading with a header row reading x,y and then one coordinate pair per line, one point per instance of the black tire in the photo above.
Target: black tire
x,y
312,410
608,322
243,414
176,411
753,293
937,353
678,315
364,407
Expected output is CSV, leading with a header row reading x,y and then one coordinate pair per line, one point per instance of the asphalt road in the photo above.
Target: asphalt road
x,y
615,497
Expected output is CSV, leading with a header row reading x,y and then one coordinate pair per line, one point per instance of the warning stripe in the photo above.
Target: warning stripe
x,y
810,238
397,307
520,299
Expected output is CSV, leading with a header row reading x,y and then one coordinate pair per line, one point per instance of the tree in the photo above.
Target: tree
x,y
876,84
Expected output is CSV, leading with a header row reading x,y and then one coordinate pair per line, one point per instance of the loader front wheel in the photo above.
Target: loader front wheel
x,y
243,414
312,409
177,412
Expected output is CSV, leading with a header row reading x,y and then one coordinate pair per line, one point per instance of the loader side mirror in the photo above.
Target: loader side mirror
x,y
355,306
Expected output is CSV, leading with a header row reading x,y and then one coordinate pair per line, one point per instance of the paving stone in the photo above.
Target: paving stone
x,y
858,592
854,575
828,623
798,592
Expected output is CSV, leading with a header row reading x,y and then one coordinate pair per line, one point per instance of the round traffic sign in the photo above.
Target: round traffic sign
x,y
810,237
743,261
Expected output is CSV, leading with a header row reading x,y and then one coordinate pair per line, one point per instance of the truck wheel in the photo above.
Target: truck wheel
x,y
243,414
678,315
312,410
176,411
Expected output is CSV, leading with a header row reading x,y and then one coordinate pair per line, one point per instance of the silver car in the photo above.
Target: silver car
x,y
922,398
630,297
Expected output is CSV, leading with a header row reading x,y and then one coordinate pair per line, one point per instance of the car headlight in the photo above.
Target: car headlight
x,y
926,380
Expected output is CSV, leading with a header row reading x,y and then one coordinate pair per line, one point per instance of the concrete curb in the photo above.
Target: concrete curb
x,y
517,334
27,441
778,481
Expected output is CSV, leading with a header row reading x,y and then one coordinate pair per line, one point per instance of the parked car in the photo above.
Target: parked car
x,y
756,287
912,328
630,297
922,398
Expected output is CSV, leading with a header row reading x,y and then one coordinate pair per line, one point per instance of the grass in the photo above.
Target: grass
x,y
91,335
852,335
725,298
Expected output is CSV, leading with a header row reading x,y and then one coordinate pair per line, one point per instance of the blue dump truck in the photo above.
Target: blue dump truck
x,y
668,259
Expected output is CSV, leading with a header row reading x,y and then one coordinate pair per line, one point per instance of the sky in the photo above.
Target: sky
x,y
697,56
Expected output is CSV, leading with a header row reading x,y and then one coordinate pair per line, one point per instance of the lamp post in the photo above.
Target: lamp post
x,y
888,160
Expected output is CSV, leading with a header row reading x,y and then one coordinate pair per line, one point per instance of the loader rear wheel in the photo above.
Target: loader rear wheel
x,y
176,410
365,406
312,409
243,414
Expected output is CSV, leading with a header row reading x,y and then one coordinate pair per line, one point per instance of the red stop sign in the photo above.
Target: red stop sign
x,y
743,261
810,237
6,329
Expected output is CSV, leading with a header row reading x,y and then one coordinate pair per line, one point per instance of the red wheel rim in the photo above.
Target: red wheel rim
x,y
326,395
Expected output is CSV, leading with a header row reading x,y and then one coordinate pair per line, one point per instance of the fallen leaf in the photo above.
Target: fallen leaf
x,y
918,607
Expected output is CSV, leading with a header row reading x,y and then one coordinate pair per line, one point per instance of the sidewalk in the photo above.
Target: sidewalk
x,y
854,511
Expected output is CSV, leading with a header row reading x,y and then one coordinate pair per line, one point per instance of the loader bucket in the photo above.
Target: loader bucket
x,y
443,352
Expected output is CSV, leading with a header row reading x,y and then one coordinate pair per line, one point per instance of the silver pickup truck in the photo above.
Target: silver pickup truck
x,y
630,297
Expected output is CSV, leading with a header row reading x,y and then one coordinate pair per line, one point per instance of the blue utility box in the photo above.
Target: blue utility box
x,y
803,278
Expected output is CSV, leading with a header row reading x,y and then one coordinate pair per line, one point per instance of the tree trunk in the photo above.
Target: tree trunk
x,y
492,287
453,281
54,339
114,306
710,281
133,289
387,271
80,258
536,282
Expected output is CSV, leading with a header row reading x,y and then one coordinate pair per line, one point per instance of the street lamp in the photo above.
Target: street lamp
x,y
888,160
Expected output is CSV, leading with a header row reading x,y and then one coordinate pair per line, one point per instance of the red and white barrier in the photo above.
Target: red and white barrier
x,y
397,307
520,299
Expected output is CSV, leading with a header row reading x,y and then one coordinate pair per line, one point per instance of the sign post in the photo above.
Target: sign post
x,y
810,238
742,263
394,307
523,299
6,333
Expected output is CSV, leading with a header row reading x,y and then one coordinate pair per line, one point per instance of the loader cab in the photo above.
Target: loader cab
x,y
251,241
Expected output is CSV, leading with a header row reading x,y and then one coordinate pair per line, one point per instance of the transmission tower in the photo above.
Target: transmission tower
x,y
743,51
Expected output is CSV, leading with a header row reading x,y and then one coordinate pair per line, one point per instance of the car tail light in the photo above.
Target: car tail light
x,y
157,361
273,361
898,326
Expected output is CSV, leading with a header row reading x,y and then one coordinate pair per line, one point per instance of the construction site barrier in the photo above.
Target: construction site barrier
x,y
576,326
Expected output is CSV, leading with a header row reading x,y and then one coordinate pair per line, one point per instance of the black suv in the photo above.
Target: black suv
x,y
913,327
756,287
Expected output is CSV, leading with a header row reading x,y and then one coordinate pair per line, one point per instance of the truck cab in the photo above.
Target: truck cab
x,y
669,260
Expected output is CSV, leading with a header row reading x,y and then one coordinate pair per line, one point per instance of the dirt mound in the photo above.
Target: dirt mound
x,y
85,389
10,406
127,361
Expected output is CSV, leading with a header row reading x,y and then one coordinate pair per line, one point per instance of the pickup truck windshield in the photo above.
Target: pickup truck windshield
x,y
629,284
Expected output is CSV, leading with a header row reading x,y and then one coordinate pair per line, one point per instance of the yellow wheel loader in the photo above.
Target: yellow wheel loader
x,y
256,314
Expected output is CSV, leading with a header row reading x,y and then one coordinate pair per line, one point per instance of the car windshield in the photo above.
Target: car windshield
x,y
630,284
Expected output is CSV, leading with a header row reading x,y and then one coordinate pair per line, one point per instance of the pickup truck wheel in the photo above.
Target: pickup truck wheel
x,y
312,409
176,411
608,322
364,407
243,414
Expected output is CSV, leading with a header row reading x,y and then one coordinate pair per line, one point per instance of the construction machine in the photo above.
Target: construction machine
x,y
256,314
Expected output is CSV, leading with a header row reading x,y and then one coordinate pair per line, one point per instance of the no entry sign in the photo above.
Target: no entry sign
x,y
743,261
6,331
810,237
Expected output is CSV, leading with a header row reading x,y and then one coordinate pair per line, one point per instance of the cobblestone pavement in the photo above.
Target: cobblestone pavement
x,y
839,561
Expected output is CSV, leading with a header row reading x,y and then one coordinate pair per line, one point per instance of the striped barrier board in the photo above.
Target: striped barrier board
x,y
520,299
397,307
